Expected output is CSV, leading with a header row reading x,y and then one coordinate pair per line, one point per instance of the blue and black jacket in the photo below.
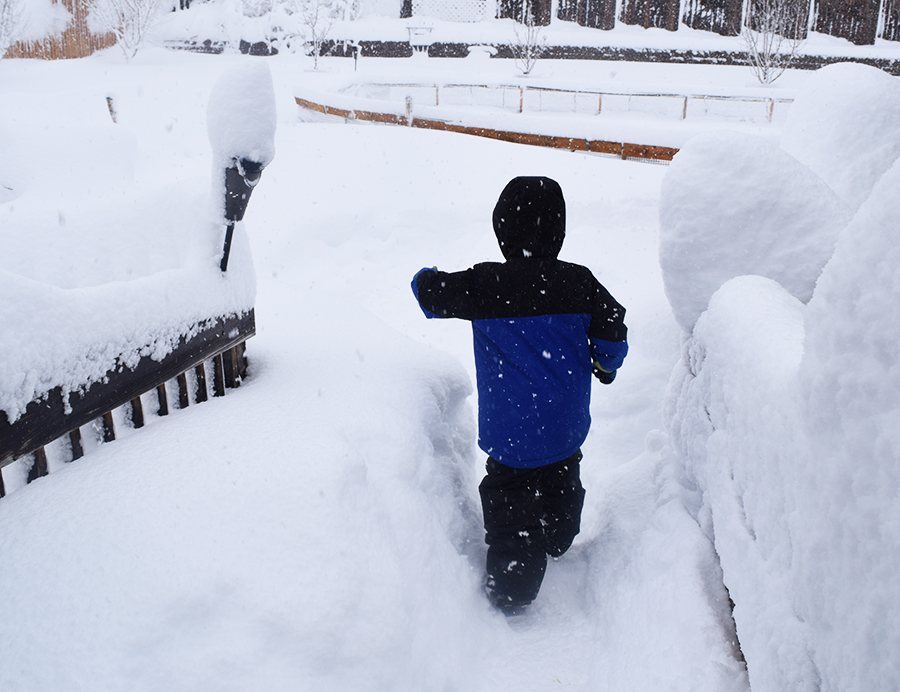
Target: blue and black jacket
x,y
540,326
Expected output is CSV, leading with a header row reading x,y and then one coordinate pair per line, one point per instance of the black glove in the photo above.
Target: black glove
x,y
605,377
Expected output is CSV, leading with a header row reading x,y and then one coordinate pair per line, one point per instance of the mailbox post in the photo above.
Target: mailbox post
x,y
240,179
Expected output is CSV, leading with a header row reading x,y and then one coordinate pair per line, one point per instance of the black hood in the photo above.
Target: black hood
x,y
530,218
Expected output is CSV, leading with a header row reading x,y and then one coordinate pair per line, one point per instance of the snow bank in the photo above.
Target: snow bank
x,y
843,125
788,418
733,204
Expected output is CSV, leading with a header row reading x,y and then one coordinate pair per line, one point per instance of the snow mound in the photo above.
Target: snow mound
x,y
849,556
241,116
844,126
733,204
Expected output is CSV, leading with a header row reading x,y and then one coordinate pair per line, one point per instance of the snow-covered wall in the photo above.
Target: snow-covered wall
x,y
787,415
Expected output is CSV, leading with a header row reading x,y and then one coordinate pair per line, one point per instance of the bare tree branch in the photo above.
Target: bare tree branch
x,y
529,45
130,20
772,34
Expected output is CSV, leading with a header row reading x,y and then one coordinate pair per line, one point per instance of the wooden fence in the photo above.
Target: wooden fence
x,y
221,341
855,20
77,41
623,150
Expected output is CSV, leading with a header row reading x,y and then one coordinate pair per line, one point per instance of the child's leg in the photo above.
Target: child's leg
x,y
516,556
563,498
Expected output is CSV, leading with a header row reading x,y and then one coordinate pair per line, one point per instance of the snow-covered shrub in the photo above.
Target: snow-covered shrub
x,y
847,540
734,204
257,8
733,420
844,126
788,419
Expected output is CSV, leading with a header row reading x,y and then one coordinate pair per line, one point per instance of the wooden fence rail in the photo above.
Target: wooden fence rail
x,y
220,340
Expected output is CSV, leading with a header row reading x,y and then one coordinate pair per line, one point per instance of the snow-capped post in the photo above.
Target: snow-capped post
x,y
241,121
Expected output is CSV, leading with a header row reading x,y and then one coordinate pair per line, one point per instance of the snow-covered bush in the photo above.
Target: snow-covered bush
x,y
734,204
735,424
844,126
788,416
848,515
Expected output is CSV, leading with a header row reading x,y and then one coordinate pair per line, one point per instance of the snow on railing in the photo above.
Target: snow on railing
x,y
220,342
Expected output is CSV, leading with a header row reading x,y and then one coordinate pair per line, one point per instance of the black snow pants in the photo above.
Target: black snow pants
x,y
528,514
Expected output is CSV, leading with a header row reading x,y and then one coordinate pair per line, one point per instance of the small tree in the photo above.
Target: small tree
x,y
528,45
772,34
12,23
130,20
317,17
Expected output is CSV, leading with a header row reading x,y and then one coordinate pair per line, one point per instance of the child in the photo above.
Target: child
x,y
541,327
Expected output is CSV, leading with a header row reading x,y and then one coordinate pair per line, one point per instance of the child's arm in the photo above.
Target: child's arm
x,y
608,336
442,294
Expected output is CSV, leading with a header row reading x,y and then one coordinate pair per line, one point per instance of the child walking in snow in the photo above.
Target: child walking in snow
x,y
541,327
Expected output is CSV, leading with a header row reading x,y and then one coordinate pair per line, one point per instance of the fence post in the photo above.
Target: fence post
x,y
75,442
218,376
109,427
184,396
137,413
202,392
162,399
39,467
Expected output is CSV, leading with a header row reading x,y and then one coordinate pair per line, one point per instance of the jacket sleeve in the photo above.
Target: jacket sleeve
x,y
608,333
442,294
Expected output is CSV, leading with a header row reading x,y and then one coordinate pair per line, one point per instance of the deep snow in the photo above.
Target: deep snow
x,y
319,528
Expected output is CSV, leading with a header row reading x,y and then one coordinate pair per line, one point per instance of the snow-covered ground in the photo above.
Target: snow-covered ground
x,y
319,527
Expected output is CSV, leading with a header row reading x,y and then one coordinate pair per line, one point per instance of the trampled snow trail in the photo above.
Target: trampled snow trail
x,y
319,528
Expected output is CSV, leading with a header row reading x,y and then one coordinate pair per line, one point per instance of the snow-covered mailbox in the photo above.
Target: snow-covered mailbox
x,y
73,357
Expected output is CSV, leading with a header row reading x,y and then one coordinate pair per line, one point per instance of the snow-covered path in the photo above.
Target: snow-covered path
x,y
319,527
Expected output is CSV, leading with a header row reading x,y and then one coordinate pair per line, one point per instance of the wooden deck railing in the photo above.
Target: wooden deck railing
x,y
219,340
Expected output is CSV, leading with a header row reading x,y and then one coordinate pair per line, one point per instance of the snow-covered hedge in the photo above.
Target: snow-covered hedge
x,y
786,415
